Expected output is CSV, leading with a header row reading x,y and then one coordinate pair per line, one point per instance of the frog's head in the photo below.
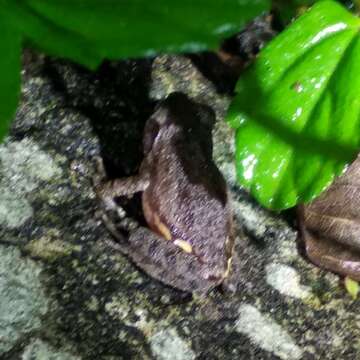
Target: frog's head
x,y
178,115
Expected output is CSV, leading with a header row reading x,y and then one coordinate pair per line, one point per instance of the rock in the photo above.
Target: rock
x,y
24,167
23,301
40,350
266,333
286,280
167,345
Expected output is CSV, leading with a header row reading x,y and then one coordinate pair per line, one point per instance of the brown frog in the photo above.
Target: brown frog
x,y
185,200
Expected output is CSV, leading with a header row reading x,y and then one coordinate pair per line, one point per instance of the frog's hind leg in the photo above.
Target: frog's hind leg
x,y
230,282
166,262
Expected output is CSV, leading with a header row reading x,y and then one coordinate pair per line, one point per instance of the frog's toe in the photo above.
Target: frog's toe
x,y
99,180
228,287
100,173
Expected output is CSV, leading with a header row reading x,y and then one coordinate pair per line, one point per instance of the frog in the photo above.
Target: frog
x,y
189,238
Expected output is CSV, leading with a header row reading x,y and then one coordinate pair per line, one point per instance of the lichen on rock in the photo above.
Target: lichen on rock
x,y
23,301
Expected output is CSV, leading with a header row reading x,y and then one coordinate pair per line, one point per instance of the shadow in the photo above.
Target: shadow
x,y
224,67
222,75
115,99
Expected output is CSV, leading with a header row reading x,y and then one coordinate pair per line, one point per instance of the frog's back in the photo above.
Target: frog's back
x,y
187,197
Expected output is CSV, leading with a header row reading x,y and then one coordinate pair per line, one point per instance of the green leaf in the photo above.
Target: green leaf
x,y
10,50
352,287
296,112
49,38
89,30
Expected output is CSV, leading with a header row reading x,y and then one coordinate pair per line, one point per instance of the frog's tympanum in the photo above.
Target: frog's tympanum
x,y
184,199
330,225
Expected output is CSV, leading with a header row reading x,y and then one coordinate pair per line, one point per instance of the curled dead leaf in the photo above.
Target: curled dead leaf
x,y
330,225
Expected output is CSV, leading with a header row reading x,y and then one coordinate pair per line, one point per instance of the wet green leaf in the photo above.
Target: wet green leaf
x,y
90,30
352,287
10,50
296,112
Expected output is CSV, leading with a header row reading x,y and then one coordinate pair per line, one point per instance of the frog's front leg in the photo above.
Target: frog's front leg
x,y
167,263
112,214
112,189
108,190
